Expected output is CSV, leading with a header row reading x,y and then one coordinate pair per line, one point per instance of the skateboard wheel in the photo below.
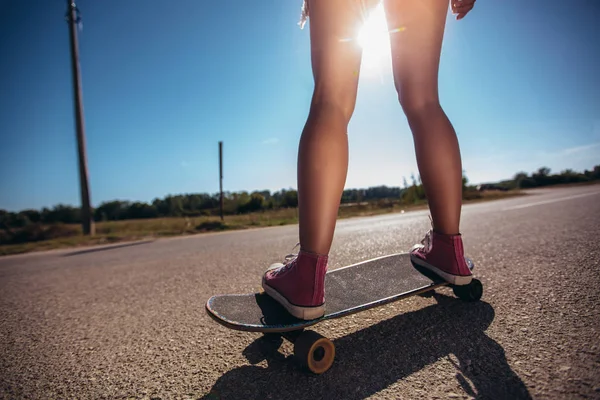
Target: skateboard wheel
x,y
314,351
471,292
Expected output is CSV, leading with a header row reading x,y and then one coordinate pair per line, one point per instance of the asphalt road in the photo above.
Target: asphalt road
x,y
128,321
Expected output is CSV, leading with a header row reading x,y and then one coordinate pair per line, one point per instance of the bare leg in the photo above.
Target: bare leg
x,y
417,31
298,285
323,150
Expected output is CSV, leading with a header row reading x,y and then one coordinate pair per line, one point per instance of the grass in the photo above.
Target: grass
x,y
130,230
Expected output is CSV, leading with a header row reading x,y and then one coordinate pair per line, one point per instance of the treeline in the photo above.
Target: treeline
x,y
187,205
192,205
542,177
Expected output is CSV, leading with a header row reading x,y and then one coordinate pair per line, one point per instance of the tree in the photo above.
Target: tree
x,y
543,171
111,211
140,210
290,199
32,215
519,176
519,179
62,213
541,177
256,202
413,179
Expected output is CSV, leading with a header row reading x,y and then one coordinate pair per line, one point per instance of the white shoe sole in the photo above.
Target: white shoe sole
x,y
304,313
456,280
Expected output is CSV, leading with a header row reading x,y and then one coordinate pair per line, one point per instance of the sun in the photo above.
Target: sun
x,y
374,38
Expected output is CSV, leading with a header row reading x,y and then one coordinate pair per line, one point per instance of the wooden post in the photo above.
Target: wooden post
x,y
221,176
86,211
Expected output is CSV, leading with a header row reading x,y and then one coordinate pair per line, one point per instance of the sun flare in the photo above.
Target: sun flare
x,y
374,38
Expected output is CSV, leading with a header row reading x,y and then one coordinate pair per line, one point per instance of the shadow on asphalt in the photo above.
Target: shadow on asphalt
x,y
105,248
370,360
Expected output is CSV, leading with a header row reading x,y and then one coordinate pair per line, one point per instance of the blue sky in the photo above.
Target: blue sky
x,y
164,82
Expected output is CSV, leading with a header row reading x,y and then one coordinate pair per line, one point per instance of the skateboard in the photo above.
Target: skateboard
x,y
348,290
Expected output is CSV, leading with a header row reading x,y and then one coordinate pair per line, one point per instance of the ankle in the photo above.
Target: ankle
x,y
446,233
452,240
314,260
312,253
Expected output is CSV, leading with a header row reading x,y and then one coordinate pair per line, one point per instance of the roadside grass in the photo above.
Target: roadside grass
x,y
68,236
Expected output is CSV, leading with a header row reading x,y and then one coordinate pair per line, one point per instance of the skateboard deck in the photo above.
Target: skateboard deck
x,y
348,290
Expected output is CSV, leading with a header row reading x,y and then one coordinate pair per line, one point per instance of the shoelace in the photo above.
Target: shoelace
x,y
292,256
427,241
287,261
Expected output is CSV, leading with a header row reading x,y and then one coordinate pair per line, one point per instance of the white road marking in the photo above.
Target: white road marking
x,y
550,201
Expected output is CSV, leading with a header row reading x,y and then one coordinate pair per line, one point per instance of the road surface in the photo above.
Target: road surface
x,y
128,321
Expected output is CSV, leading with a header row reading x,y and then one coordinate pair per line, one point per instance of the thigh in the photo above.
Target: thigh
x,y
416,34
335,53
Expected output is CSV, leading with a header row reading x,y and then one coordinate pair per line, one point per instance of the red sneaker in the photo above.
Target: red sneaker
x,y
298,284
444,256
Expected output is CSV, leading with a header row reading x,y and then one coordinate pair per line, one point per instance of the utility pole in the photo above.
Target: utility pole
x,y
221,176
73,18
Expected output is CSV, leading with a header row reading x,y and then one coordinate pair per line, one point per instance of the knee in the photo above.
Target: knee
x,y
418,97
419,106
335,103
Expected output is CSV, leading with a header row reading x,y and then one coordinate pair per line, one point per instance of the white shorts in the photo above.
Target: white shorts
x,y
366,4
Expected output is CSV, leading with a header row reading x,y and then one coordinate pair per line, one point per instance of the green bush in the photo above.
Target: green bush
x,y
38,232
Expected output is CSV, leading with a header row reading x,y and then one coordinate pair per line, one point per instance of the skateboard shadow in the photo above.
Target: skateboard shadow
x,y
370,360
